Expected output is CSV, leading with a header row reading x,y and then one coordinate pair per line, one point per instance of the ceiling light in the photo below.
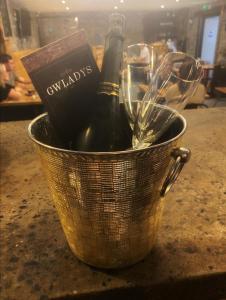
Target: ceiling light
x,y
67,8
177,0
116,7
63,1
76,19
121,1
162,6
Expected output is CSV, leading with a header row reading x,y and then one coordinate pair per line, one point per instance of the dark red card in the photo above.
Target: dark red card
x,y
66,77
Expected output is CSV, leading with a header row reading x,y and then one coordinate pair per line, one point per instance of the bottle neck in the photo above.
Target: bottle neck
x,y
109,79
108,88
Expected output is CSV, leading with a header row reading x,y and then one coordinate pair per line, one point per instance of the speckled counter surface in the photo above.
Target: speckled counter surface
x,y
190,254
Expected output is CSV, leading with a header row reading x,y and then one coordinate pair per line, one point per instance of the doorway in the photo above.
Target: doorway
x,y
209,39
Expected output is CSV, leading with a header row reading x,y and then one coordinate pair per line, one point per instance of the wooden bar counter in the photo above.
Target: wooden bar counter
x,y
22,109
188,261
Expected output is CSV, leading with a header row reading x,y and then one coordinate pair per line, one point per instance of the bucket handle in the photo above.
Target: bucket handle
x,y
181,156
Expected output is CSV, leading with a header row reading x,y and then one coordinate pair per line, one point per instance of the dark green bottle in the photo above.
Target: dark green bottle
x,y
109,129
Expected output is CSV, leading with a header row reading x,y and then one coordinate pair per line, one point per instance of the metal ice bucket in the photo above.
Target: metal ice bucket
x,y
110,204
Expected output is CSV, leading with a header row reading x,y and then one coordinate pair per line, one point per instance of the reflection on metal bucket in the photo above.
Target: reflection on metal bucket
x,y
109,204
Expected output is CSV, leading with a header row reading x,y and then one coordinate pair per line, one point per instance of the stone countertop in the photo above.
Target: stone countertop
x,y
188,262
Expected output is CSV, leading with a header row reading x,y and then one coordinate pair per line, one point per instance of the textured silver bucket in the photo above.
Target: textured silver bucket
x,y
110,204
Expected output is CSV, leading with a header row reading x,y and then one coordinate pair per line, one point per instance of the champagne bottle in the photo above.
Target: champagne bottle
x,y
109,129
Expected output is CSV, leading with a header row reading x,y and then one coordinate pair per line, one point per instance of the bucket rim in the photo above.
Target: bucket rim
x,y
110,153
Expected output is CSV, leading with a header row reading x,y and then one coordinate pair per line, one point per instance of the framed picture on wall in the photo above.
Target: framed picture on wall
x,y
2,38
17,22
5,18
2,34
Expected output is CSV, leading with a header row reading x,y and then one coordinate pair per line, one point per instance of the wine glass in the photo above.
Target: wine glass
x,y
139,67
172,85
